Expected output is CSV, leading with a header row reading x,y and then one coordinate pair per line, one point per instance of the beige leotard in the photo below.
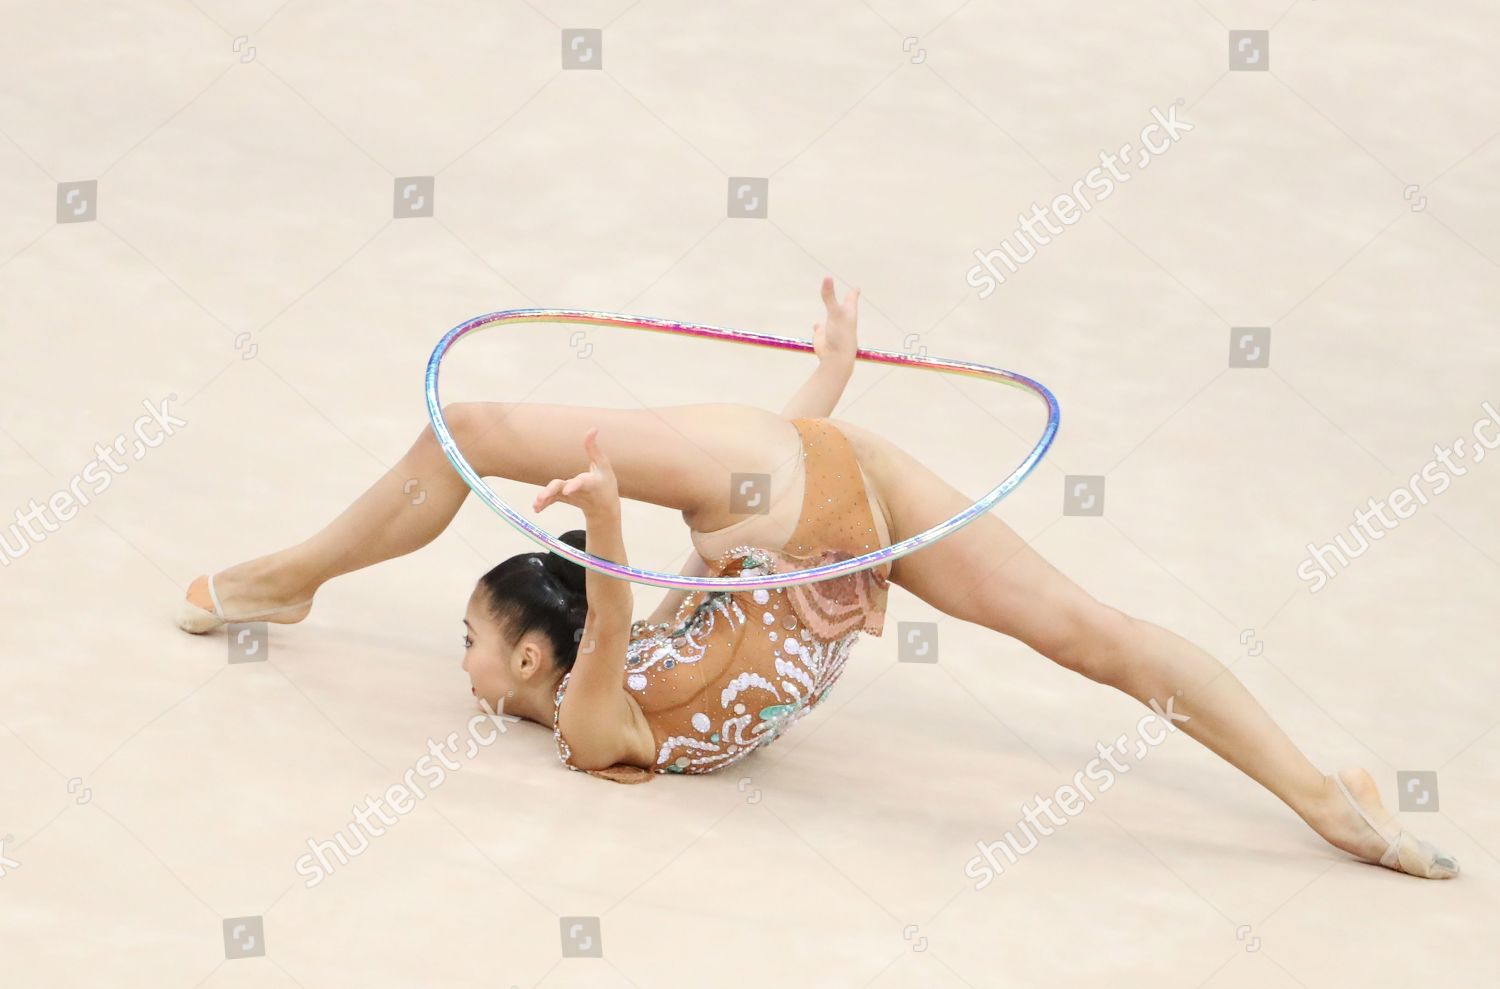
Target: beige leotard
x,y
733,670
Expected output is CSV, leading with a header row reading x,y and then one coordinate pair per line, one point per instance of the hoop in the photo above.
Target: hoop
x,y
769,580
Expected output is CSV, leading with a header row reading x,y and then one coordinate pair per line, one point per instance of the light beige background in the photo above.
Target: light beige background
x,y
245,258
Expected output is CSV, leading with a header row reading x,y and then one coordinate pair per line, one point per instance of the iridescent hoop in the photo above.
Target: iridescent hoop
x,y
767,580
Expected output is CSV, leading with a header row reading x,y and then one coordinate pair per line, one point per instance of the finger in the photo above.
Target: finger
x,y
545,497
591,445
829,299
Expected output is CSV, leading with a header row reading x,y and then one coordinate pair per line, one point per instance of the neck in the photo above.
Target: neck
x,y
535,704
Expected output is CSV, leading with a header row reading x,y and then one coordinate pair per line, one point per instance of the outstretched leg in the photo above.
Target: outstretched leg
x,y
678,457
986,574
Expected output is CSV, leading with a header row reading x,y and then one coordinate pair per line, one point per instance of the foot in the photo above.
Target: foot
x,y
1380,839
244,591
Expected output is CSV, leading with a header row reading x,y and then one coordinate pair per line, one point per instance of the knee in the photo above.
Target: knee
x,y
464,422
1099,644
460,420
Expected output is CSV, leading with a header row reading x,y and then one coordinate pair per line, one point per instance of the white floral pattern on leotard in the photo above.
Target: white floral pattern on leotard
x,y
745,711
734,670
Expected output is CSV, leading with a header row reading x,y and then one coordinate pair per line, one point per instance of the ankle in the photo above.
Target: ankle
x,y
1359,816
1320,804
273,577
1323,805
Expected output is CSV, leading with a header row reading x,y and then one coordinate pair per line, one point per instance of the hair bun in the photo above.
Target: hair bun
x,y
573,576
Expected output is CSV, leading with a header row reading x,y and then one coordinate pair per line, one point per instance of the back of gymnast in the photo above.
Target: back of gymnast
x,y
526,618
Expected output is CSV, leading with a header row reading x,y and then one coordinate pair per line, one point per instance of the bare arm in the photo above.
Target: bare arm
x,y
835,341
820,393
597,685
600,667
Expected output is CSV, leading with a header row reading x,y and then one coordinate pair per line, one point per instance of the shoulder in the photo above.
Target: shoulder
x,y
595,729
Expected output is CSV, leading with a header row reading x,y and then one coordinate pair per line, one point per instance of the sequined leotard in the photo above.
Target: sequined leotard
x,y
734,670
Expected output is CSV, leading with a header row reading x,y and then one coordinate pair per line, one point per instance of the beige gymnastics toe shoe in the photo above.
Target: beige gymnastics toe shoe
x,y
197,620
1404,851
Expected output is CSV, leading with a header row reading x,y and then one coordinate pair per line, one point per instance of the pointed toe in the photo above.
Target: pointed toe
x,y
193,619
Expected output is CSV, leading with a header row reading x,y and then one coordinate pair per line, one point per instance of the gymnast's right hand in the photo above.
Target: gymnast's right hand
x,y
594,491
835,340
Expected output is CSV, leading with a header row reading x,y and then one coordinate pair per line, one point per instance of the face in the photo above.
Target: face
x,y
496,668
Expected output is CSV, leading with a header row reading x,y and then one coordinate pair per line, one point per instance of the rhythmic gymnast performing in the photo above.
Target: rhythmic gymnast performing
x,y
760,624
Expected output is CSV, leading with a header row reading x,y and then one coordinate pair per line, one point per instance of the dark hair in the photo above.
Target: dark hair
x,y
542,591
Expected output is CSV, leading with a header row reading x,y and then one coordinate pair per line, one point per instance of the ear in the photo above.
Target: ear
x,y
527,660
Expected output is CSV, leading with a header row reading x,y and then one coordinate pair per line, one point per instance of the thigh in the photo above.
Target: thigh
x,y
679,456
984,573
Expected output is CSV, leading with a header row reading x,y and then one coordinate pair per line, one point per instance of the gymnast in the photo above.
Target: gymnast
x,y
711,676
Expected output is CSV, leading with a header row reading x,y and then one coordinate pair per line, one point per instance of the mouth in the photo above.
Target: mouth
x,y
474,691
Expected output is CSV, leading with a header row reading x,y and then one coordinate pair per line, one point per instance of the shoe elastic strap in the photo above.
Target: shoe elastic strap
x,y
1392,843
214,596
219,609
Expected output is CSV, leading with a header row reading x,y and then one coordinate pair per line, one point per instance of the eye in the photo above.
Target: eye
x,y
468,642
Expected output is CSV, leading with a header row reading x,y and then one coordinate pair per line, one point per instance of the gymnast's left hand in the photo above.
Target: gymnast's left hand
x,y
594,491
